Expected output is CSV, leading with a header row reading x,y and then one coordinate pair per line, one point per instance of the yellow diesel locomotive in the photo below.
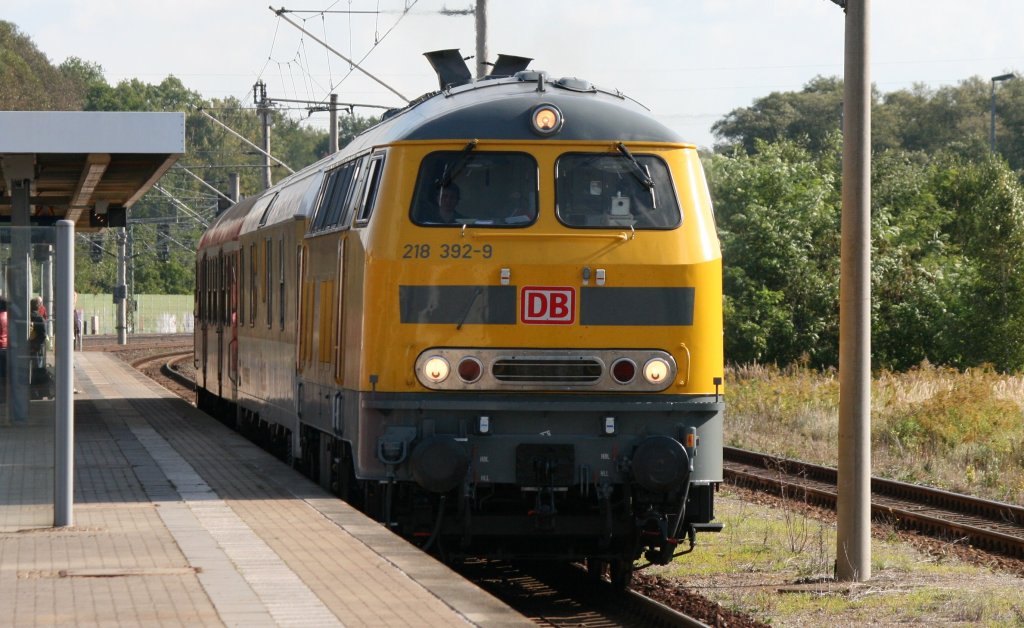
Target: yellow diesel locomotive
x,y
493,321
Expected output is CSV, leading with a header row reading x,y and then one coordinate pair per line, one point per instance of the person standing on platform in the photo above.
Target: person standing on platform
x,y
40,379
3,349
78,323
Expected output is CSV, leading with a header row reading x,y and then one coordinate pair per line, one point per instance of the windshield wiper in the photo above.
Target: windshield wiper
x,y
460,163
639,171
642,174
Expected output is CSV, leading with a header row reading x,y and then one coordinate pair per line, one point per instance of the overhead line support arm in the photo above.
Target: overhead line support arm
x,y
236,134
281,14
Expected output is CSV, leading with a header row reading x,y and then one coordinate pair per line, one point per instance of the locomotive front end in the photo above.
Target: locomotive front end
x,y
553,381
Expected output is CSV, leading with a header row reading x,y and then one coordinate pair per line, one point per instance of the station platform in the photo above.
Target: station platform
x,y
180,521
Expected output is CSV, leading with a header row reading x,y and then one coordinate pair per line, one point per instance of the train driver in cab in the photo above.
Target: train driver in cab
x,y
442,210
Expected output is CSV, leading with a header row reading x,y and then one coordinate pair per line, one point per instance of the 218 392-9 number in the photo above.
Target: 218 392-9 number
x,y
448,251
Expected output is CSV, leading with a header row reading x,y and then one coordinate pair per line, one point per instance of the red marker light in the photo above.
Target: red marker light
x,y
470,370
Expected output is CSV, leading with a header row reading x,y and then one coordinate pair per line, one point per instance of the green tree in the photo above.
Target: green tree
x,y
808,116
913,264
920,118
84,77
135,95
29,80
778,217
986,205
352,125
95,270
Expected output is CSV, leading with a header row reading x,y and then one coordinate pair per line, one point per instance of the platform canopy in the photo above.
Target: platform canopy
x,y
85,166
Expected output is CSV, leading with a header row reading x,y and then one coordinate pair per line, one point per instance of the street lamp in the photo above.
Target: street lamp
x,y
992,131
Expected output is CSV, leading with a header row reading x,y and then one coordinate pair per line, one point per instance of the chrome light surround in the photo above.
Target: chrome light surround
x,y
546,369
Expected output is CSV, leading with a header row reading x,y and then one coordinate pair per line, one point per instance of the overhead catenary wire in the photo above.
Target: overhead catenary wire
x,y
335,51
241,137
182,206
378,39
200,179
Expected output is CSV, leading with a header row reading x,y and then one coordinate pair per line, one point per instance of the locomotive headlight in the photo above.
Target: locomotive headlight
x,y
546,119
435,369
656,371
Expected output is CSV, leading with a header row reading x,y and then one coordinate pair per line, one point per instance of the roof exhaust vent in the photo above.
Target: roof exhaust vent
x,y
508,65
451,68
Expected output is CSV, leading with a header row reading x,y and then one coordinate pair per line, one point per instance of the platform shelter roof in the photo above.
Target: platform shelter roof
x,y
82,164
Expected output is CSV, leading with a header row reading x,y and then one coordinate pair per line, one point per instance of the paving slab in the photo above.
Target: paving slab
x,y
180,521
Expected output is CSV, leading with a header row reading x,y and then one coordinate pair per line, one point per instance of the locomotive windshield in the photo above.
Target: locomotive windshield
x,y
495,189
615,190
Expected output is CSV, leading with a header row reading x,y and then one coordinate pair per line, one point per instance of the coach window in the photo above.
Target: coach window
x,y
281,303
477,188
233,290
268,251
208,292
200,288
225,287
262,207
369,196
334,199
210,313
241,286
253,277
614,190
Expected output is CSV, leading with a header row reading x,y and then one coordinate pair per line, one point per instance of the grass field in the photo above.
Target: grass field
x,y
962,431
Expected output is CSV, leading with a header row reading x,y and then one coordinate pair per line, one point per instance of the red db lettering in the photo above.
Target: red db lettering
x,y
543,305
536,305
559,305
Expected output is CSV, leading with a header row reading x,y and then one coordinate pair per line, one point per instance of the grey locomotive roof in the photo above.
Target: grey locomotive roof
x,y
500,109
497,109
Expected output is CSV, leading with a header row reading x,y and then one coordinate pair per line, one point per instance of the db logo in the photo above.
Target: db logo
x,y
548,306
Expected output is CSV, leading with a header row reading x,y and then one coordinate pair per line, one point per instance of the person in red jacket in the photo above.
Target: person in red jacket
x,y
3,348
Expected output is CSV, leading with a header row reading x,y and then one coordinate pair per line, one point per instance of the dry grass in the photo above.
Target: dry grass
x,y
962,431
774,563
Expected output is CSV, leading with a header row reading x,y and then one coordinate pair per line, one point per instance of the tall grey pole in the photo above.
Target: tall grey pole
x,y
992,128
64,441
259,98
481,38
244,140
46,287
333,148
121,294
19,282
853,553
234,187
992,108
267,179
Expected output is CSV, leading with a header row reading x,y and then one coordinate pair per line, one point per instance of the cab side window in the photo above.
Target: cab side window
x,y
369,195
331,213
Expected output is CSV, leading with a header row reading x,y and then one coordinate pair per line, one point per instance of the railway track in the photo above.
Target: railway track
x,y
567,595
167,359
559,596
544,597
994,526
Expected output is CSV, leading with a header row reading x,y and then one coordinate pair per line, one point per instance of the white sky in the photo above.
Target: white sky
x,y
689,61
